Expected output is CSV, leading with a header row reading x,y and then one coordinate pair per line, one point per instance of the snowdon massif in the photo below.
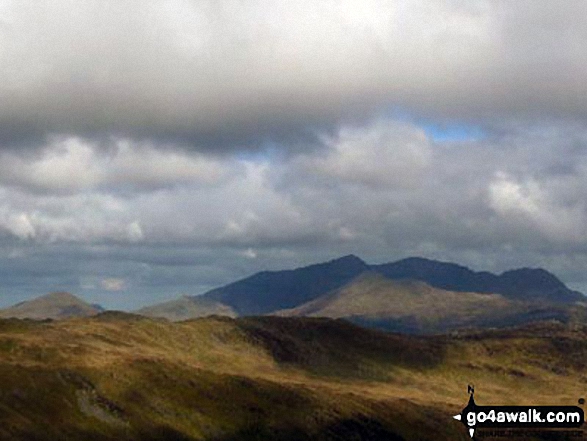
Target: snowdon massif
x,y
412,295
270,291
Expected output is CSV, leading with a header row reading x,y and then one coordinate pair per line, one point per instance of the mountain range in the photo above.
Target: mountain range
x,y
270,291
519,284
412,295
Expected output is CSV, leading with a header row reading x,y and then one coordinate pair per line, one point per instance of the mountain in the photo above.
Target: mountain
x,y
519,284
186,308
56,305
125,377
412,306
270,291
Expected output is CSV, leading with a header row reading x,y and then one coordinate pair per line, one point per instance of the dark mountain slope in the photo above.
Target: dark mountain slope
x,y
274,290
535,283
520,284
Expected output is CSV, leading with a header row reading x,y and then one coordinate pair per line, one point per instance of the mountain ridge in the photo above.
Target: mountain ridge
x,y
520,283
270,291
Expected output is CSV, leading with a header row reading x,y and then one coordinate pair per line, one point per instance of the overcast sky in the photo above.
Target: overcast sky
x,y
152,149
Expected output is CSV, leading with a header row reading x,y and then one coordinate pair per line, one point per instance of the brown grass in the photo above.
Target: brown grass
x,y
119,376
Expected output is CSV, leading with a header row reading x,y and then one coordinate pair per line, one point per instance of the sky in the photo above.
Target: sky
x,y
155,149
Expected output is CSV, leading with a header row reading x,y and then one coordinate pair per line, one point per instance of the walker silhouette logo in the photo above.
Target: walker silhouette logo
x,y
513,417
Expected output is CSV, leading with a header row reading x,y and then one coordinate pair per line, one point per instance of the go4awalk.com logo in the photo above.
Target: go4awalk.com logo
x,y
519,417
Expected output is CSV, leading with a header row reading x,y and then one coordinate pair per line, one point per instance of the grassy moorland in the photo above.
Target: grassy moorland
x,y
119,376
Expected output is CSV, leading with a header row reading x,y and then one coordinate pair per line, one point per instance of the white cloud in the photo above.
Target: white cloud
x,y
135,232
530,204
113,284
73,165
507,195
384,154
384,182
249,253
19,225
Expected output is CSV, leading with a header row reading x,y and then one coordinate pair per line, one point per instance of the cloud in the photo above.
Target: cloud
x,y
538,206
177,145
113,284
135,232
384,182
249,253
509,196
19,225
384,154
82,218
222,75
70,165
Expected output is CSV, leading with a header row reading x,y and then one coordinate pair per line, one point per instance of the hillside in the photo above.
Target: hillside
x,y
186,308
416,307
120,376
57,305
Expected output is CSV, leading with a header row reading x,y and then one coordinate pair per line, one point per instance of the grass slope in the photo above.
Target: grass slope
x,y
416,307
126,377
186,308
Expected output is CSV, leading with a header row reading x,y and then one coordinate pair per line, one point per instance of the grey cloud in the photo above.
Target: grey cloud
x,y
381,154
226,75
69,165
171,146
489,194
481,192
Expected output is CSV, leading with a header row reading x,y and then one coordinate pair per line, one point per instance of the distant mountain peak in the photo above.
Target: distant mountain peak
x,y
60,296
348,261
424,262
270,291
350,258
55,305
